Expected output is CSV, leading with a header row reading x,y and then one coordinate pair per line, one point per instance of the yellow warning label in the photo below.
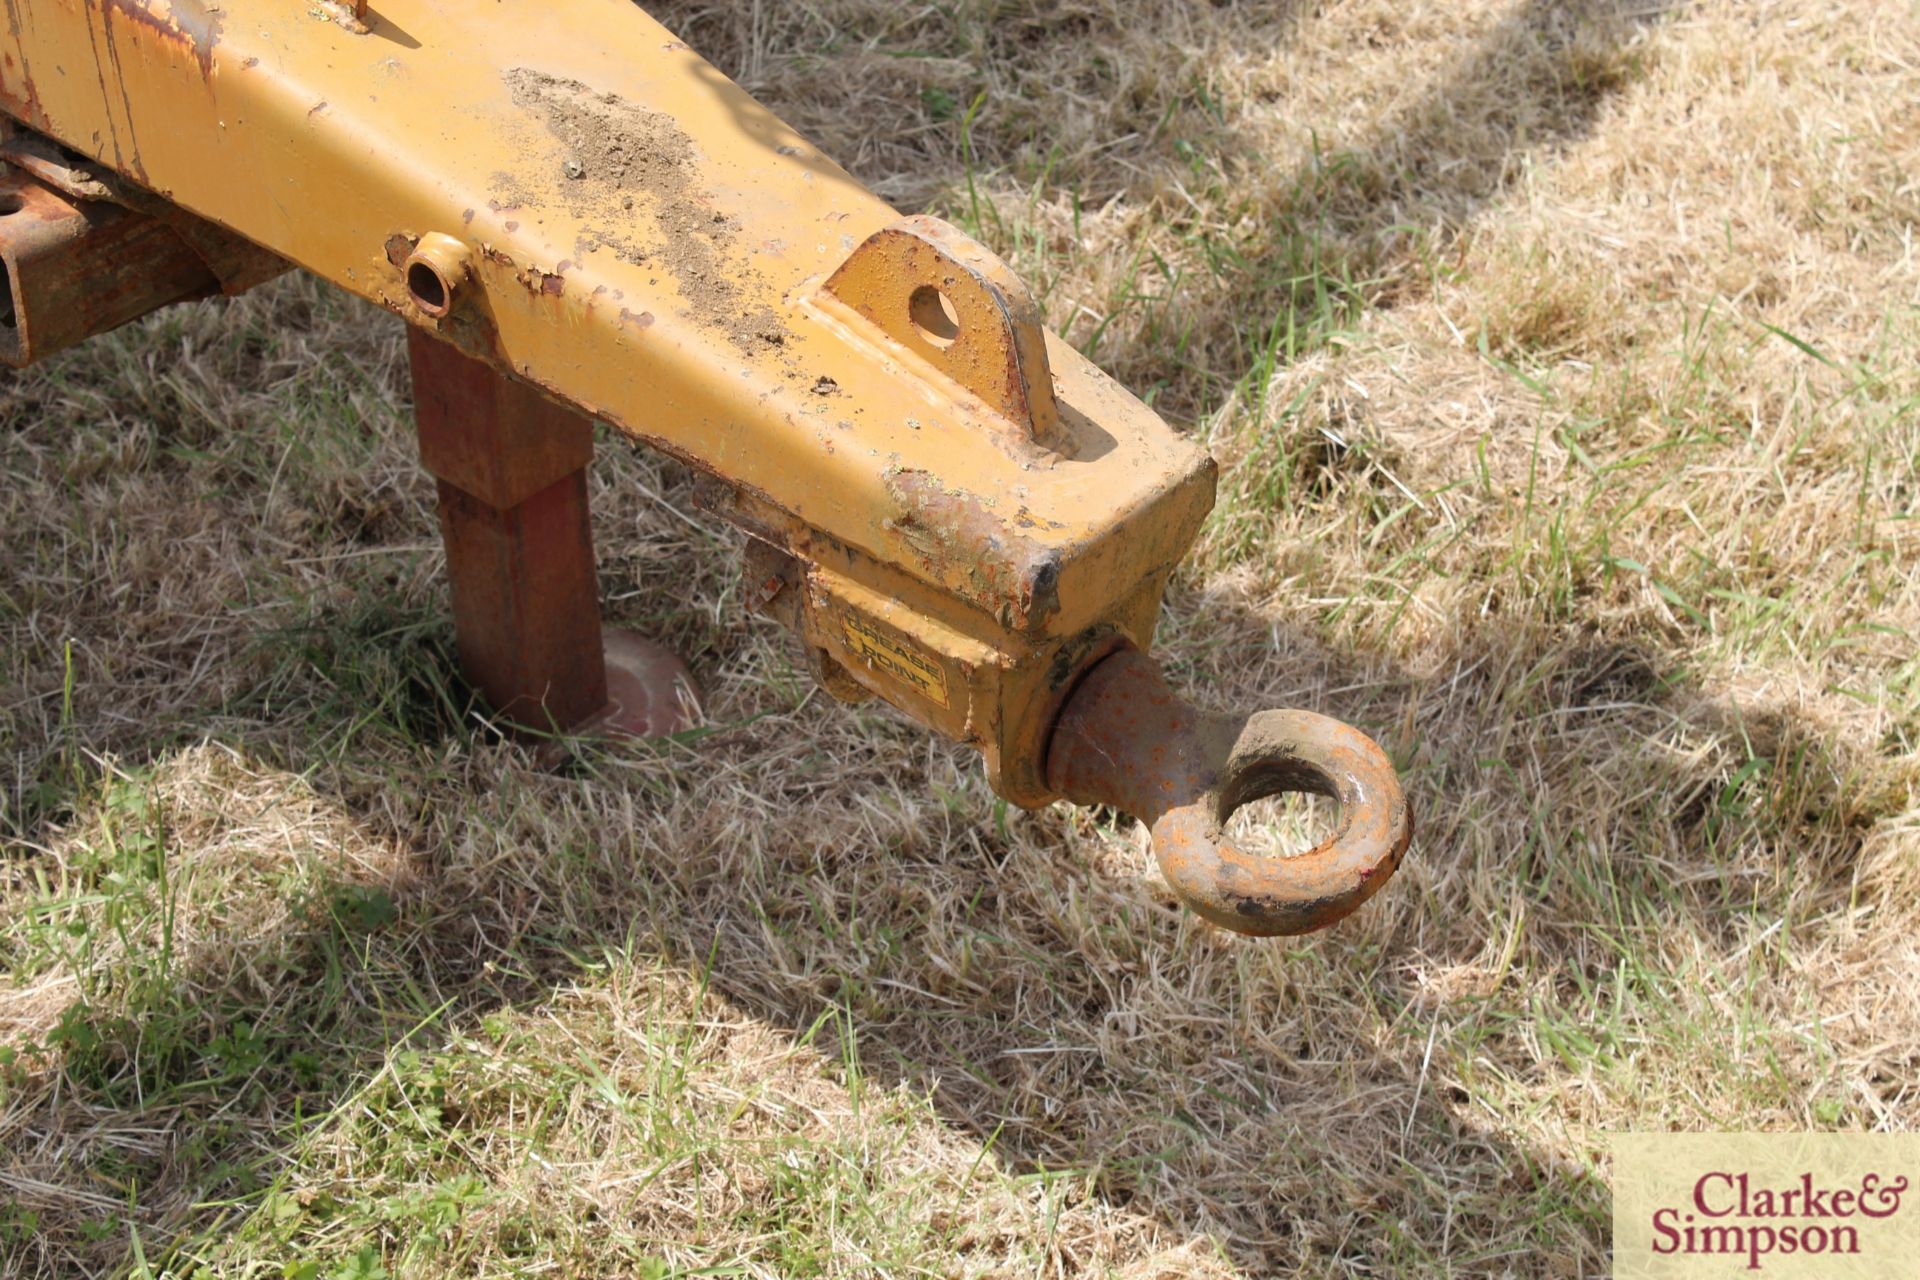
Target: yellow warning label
x,y
896,659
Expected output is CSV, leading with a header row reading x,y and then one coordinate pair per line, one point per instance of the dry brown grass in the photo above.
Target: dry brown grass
x,y
1563,357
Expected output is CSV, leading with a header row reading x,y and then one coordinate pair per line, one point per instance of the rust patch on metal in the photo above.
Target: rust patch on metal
x,y
511,472
72,174
189,24
71,268
1126,739
348,15
959,535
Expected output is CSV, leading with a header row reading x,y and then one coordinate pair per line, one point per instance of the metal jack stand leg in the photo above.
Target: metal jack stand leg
x,y
511,466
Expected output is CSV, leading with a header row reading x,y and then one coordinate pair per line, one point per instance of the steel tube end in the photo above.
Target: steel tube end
x,y
438,266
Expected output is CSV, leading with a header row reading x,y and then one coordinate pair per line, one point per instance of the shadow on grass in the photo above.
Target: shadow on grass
x,y
1302,1102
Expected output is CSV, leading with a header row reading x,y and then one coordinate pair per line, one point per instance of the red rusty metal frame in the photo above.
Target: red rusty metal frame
x,y
74,268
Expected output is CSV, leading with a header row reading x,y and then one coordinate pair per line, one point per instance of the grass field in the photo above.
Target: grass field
x,y
1564,363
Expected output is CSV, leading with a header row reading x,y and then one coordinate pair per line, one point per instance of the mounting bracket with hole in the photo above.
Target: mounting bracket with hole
x,y
954,304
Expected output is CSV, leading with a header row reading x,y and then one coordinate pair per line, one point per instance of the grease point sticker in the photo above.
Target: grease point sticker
x,y
897,660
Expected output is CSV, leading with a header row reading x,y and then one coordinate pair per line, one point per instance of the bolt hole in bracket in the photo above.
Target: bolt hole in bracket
x,y
934,316
1126,739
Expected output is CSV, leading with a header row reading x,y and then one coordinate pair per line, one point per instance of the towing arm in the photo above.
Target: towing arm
x,y
582,219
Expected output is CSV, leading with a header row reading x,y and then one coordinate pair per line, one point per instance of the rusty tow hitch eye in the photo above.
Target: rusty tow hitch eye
x,y
1128,740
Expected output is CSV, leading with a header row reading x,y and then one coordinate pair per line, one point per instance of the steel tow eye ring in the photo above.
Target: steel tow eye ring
x,y
1128,740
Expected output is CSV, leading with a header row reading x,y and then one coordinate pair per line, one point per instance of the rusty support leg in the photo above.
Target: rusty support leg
x,y
511,466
